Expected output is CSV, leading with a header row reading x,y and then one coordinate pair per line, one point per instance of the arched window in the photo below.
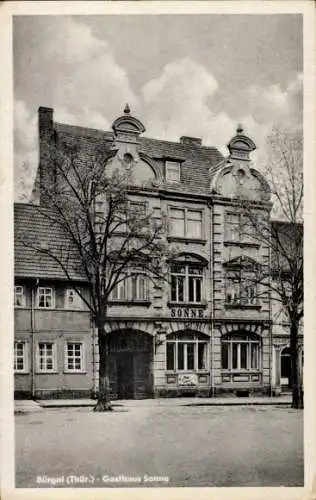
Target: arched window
x,y
187,351
241,352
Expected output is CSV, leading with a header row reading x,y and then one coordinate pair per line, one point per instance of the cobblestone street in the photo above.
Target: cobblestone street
x,y
160,446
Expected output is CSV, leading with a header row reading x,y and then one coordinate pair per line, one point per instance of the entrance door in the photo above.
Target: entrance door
x,y
125,375
286,367
131,355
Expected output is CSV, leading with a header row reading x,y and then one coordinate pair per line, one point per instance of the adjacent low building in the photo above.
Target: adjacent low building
x,y
209,331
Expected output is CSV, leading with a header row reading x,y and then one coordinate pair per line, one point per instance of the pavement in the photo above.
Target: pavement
x,y
162,444
30,406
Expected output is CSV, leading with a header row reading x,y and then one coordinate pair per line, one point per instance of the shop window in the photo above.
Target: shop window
x,y
19,296
20,357
185,223
74,357
172,171
187,352
133,289
46,357
186,283
45,297
240,353
73,299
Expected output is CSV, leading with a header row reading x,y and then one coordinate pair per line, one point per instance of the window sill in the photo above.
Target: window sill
x,y
189,372
241,244
242,371
46,372
187,304
181,239
243,306
21,372
130,303
75,372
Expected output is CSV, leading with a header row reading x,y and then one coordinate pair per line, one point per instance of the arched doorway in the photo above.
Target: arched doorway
x,y
286,368
130,358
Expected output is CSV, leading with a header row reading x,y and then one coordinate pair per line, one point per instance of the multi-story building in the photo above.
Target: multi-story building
x,y
207,331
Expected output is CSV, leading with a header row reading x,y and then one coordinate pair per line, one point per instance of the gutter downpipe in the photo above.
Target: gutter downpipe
x,y
270,317
33,346
94,369
212,297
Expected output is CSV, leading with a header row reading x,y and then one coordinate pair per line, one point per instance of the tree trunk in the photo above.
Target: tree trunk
x,y
297,393
104,402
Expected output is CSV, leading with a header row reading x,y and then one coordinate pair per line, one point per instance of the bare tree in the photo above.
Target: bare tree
x,y
282,276
106,235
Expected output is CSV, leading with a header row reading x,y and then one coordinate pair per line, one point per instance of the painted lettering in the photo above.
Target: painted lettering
x,y
187,312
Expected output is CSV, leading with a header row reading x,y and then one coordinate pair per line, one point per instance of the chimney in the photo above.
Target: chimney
x,y
191,141
46,154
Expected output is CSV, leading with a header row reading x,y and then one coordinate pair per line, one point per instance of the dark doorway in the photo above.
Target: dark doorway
x,y
286,368
130,357
125,375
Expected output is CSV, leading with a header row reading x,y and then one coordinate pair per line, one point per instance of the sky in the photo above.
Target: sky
x,y
197,75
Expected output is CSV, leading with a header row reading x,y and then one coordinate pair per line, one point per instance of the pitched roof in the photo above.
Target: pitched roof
x,y
33,229
195,160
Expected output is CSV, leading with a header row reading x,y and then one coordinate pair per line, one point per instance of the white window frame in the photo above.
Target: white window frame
x,y
248,341
195,341
173,171
185,277
74,356
186,217
24,357
21,293
78,304
46,357
52,306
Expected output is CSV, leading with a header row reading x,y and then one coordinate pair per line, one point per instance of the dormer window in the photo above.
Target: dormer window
x,y
172,171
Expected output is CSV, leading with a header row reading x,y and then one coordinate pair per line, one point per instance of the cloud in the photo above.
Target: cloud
x,y
81,81
183,100
275,105
81,78
89,80
25,150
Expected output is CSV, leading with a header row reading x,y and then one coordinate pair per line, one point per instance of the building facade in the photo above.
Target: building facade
x,y
208,331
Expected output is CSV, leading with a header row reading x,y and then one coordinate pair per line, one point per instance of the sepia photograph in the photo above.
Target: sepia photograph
x,y
158,279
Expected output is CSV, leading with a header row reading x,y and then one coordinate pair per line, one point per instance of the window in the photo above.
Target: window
x,y
187,352
133,288
74,357
128,217
20,357
45,297
73,299
232,227
240,352
172,171
19,297
185,223
187,283
241,288
46,357
239,229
